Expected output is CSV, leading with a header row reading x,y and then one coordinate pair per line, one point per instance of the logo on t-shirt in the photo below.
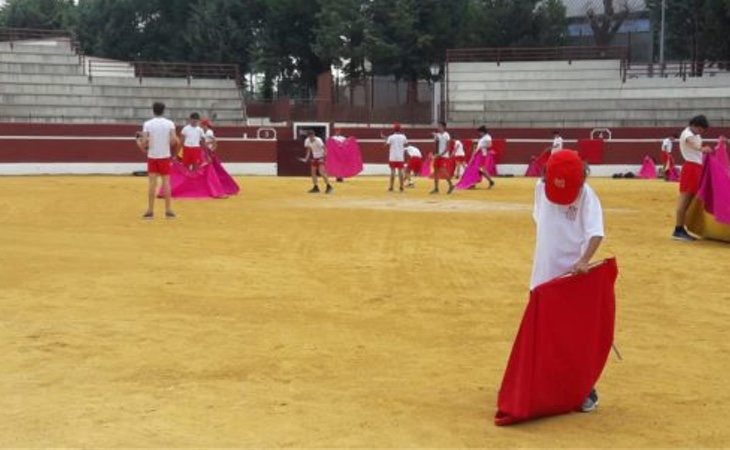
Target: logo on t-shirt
x,y
571,213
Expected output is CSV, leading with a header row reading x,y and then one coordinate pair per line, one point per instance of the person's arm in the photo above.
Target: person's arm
x,y
174,141
143,141
584,263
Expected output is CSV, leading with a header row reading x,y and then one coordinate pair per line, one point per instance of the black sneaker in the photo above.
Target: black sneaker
x,y
491,184
170,215
451,189
329,189
434,192
314,190
148,216
680,234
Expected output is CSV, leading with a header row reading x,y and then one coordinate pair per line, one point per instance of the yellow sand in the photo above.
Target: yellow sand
x,y
361,319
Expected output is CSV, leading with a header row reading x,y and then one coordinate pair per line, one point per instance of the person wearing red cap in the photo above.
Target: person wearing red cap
x,y
569,220
396,143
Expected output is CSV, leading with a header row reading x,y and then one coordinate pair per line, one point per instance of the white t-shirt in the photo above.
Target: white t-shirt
x,y
667,145
691,145
316,146
413,152
209,139
563,232
397,143
442,140
192,136
485,143
158,130
557,144
459,149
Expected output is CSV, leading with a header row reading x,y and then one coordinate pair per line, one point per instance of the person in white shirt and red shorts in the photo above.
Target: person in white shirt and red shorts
x,y
414,164
569,220
693,150
396,144
442,163
316,154
157,140
193,137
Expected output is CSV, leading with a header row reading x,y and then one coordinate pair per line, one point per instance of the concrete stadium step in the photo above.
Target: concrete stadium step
x,y
669,117
594,104
534,66
107,102
116,91
48,47
518,85
109,111
43,69
38,58
587,94
180,120
111,115
532,76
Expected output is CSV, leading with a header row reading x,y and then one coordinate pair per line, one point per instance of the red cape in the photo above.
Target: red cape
x,y
562,346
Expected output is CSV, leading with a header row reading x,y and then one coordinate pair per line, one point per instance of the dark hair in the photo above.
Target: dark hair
x,y
158,108
483,129
442,123
675,136
195,116
699,121
556,132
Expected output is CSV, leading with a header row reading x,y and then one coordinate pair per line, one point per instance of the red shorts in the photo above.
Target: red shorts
x,y
317,162
397,165
192,156
415,164
158,166
459,159
665,158
689,182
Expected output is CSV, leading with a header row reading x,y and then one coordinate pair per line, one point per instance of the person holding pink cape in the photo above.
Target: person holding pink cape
x,y
476,170
230,187
344,159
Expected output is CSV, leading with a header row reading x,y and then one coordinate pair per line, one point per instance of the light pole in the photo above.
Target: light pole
x,y
436,77
662,32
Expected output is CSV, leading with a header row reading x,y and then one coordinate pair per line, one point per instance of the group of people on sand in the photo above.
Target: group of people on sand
x,y
187,165
448,163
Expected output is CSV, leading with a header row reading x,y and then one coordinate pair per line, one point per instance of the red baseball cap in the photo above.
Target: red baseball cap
x,y
206,123
564,177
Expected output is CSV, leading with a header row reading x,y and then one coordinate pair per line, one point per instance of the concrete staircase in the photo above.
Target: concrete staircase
x,y
579,94
47,81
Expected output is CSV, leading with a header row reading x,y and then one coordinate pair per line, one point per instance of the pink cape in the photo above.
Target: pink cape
x,y
648,169
344,159
211,180
562,346
490,165
537,164
715,186
427,166
471,176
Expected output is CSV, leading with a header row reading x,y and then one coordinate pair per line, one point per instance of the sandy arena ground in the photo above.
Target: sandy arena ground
x,y
361,319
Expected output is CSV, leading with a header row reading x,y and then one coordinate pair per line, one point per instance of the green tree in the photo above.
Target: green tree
x,y
550,24
42,14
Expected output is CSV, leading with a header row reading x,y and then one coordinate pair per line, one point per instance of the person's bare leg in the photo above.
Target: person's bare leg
x,y
323,174
682,206
451,185
391,186
151,193
401,179
167,193
489,179
314,175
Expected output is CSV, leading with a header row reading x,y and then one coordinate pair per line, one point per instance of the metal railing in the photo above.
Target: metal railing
x,y
681,69
13,35
506,54
146,69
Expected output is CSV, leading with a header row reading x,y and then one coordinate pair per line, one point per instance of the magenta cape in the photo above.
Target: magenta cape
x,y
427,166
561,348
211,180
537,164
472,176
709,215
648,169
344,159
